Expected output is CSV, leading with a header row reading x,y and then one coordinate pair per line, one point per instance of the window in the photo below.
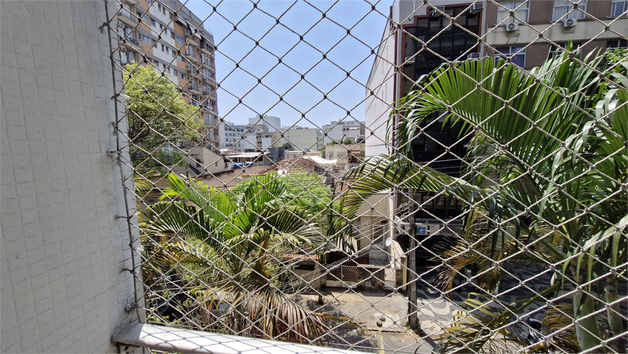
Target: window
x,y
163,48
521,10
563,9
172,34
180,39
126,57
161,27
619,8
517,55
152,23
619,43
144,38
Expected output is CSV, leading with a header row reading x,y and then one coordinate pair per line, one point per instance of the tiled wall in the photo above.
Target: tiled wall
x,y
62,288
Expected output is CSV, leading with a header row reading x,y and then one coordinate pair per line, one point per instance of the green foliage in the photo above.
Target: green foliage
x,y
614,57
227,251
549,144
307,190
158,119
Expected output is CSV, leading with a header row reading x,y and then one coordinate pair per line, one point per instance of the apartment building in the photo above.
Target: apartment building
x,y
170,37
271,122
346,156
593,25
301,138
424,39
346,129
231,135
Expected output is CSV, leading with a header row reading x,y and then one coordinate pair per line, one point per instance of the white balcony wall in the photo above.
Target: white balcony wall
x,y
63,249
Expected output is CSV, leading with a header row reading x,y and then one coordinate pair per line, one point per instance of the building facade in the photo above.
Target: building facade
x,y
594,25
346,129
301,139
346,156
272,123
168,36
420,38
231,136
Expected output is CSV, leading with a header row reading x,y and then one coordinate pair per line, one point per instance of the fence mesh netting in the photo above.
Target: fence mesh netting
x,y
407,176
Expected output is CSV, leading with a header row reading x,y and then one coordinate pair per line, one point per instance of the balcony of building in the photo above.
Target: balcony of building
x,y
194,89
128,17
190,55
209,105
192,38
131,43
206,48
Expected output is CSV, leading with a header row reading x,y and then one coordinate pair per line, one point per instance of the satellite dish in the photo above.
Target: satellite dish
x,y
388,242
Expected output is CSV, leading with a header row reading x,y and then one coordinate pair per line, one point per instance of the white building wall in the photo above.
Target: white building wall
x,y
62,286
379,104
266,143
350,128
303,139
273,123
249,142
162,14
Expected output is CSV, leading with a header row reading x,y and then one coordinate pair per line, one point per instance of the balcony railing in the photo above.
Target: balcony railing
x,y
127,17
194,88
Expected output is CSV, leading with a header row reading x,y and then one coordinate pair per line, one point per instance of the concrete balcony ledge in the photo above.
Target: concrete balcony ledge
x,y
190,341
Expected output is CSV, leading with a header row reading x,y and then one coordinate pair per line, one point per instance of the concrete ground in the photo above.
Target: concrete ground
x,y
383,314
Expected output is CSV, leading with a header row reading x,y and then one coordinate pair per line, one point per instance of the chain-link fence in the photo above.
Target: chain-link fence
x,y
407,176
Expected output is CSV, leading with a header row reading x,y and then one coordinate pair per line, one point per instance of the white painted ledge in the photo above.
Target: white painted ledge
x,y
189,341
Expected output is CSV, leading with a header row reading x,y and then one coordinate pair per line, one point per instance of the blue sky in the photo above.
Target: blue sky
x,y
326,35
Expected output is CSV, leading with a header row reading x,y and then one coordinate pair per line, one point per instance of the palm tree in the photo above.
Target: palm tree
x,y
543,180
224,252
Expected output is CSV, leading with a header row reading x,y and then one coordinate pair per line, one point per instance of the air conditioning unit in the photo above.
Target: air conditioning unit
x,y
434,228
474,55
511,27
569,22
476,8
428,229
408,60
435,13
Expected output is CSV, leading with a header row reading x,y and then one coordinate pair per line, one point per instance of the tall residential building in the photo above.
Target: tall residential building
x,y
425,38
170,37
346,129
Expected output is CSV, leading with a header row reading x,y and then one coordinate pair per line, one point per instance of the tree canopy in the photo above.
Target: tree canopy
x,y
158,119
